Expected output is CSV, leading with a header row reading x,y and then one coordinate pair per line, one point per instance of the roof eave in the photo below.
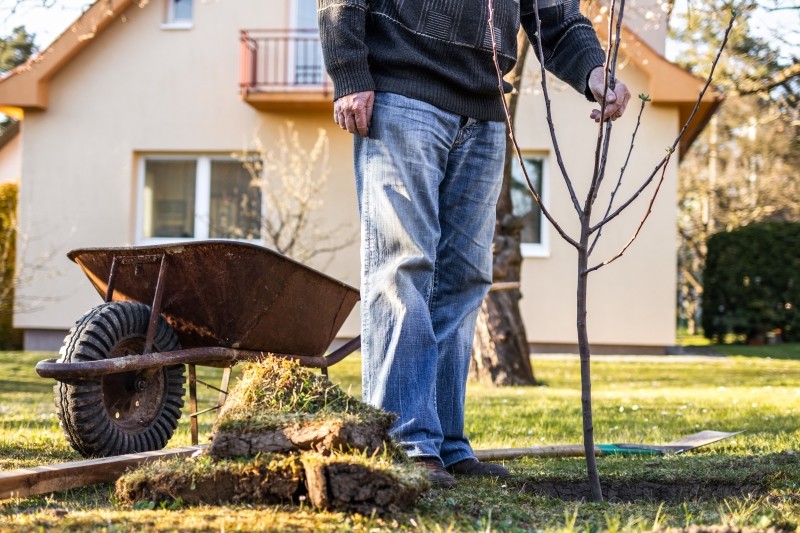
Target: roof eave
x,y
26,87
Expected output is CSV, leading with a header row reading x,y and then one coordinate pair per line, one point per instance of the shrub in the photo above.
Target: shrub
x,y
10,338
752,282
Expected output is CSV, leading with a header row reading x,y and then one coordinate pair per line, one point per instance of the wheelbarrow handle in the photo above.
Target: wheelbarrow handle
x,y
208,356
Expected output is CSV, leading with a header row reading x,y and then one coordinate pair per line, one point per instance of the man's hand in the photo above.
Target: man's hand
x,y
616,100
353,112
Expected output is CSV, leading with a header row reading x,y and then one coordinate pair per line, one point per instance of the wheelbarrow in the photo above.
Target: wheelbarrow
x,y
122,368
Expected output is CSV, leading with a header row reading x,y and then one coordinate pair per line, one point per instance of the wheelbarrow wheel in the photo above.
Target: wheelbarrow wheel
x,y
119,413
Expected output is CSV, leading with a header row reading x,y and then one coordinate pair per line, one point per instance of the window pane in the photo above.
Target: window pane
x,y
235,202
181,10
522,200
169,198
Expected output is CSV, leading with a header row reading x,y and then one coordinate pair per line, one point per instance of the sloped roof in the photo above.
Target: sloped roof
x,y
26,87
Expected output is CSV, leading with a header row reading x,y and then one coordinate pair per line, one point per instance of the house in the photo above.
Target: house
x,y
132,114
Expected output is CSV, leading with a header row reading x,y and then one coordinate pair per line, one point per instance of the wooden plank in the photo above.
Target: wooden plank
x,y
58,477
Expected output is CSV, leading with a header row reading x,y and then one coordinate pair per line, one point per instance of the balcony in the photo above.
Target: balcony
x,y
282,70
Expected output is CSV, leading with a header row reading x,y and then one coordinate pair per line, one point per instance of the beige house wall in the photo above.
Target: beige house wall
x,y
121,97
140,90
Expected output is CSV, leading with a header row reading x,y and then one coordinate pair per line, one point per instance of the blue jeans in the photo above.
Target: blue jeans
x,y
428,182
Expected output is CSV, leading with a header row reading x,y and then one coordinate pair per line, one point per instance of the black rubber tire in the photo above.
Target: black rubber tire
x,y
120,413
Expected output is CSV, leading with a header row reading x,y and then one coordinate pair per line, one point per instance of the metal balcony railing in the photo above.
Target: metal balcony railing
x,y
282,61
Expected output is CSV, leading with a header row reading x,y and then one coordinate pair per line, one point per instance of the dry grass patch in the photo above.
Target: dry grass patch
x,y
267,478
286,433
278,406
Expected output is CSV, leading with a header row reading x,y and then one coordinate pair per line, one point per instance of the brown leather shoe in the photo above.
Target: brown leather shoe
x,y
437,475
473,467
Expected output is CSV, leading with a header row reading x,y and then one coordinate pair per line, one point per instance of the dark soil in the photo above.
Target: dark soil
x,y
631,491
696,478
361,488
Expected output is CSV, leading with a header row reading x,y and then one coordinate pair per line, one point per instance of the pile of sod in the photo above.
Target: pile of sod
x,y
278,406
285,433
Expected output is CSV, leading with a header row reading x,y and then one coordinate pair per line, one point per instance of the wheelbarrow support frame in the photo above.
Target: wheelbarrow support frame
x,y
149,362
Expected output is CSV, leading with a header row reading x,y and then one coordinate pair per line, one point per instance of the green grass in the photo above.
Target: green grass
x,y
638,400
775,351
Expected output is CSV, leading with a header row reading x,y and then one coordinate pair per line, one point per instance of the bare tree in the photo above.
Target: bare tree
x,y
590,228
292,180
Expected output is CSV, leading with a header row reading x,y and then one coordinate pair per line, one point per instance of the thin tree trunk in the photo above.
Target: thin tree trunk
x,y
586,373
500,353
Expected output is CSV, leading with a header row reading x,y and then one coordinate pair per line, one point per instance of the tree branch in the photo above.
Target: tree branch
x,y
674,145
513,139
604,128
622,169
549,113
641,223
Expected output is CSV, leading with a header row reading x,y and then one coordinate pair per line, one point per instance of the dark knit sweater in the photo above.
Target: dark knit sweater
x,y
440,51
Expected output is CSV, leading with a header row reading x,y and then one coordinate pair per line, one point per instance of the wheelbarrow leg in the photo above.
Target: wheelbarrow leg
x,y
155,310
223,395
226,380
193,402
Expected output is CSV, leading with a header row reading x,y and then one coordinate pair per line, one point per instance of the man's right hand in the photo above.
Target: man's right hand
x,y
353,112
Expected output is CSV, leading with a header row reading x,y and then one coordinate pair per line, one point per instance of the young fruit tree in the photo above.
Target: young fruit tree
x,y
590,225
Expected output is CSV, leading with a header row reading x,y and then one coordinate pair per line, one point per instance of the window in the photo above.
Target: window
x,y
179,13
198,197
534,237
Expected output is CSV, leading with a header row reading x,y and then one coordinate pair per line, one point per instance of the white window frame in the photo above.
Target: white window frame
x,y
171,23
202,197
531,250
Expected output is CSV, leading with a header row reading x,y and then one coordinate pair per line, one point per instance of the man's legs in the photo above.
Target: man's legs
x,y
468,199
417,318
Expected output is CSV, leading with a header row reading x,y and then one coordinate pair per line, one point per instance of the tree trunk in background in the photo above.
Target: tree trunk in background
x,y
500,353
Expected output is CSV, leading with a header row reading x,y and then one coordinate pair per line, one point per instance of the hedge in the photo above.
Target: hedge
x,y
751,284
10,338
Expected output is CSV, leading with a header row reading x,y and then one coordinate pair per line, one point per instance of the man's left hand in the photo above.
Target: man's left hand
x,y
616,100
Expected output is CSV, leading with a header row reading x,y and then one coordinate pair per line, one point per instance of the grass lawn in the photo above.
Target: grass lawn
x,y
749,481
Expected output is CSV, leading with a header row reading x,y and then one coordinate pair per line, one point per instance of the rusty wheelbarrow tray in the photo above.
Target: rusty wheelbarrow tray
x,y
211,303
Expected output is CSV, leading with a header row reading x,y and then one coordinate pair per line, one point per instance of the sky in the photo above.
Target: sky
x,y
45,23
762,23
